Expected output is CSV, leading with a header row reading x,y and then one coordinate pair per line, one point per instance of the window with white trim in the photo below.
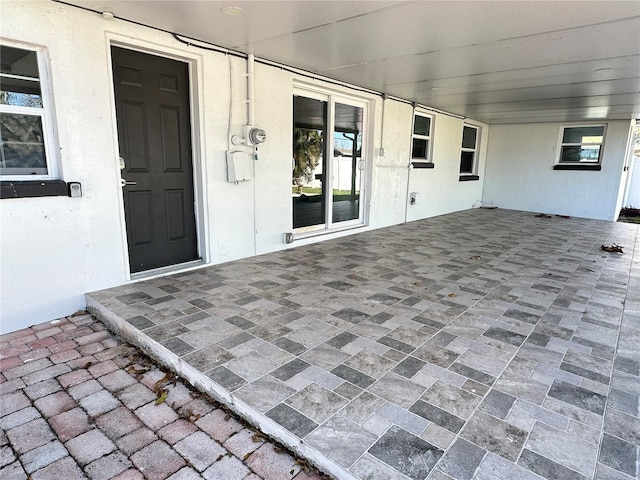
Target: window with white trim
x,y
421,141
25,128
469,153
581,145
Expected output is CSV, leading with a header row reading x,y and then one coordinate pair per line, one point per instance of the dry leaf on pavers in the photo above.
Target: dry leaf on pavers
x,y
187,413
303,464
258,437
612,248
474,257
452,295
543,215
566,217
158,387
133,370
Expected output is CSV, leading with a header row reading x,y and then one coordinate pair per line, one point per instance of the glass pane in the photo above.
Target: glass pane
x,y
17,61
20,92
308,190
466,162
22,143
27,156
422,125
580,154
594,134
469,137
19,83
15,127
345,181
420,149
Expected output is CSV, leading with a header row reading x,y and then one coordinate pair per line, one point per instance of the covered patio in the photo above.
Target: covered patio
x,y
480,344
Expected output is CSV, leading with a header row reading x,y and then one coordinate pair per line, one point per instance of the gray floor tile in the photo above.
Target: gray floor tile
x,y
578,396
397,444
547,468
563,448
345,440
619,455
292,420
495,435
316,402
462,460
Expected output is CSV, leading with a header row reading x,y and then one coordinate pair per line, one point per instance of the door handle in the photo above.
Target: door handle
x,y
124,183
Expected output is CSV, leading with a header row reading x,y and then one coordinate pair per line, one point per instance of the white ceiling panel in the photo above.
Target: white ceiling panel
x,y
497,61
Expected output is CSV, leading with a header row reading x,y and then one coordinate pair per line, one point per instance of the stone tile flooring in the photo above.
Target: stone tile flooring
x,y
484,344
78,402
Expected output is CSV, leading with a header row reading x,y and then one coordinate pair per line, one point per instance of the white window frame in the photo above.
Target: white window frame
x,y
45,113
562,144
474,150
428,138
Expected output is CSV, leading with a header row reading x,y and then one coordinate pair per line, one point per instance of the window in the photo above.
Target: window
x,y
581,147
421,147
328,162
469,153
25,134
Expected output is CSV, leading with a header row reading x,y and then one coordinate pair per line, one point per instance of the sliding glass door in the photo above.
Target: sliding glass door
x,y
328,162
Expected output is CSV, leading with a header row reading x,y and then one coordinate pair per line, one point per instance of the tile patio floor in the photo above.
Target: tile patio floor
x,y
484,344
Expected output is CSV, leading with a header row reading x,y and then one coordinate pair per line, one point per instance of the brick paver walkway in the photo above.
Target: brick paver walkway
x,y
79,402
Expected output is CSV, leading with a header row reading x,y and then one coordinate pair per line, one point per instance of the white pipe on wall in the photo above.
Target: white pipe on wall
x,y
250,90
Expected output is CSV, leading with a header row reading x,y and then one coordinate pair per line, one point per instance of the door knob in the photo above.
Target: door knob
x,y
124,183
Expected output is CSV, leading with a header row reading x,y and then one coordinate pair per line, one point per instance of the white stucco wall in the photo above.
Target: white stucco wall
x,y
520,172
54,249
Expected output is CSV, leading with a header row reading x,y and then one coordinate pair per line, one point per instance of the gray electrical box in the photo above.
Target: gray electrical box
x,y
238,167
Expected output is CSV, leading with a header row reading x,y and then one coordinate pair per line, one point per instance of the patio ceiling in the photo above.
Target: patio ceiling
x,y
498,62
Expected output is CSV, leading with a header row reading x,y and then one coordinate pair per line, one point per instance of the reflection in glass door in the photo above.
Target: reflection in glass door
x,y
345,172
327,162
309,133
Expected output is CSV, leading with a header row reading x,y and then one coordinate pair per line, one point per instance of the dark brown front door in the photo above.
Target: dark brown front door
x,y
154,134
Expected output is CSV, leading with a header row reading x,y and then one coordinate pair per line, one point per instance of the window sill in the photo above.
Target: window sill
x,y
33,188
468,178
574,166
422,165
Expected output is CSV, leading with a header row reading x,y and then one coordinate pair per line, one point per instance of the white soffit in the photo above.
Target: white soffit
x,y
499,62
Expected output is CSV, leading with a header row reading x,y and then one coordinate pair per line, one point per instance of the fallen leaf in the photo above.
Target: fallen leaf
x,y
162,397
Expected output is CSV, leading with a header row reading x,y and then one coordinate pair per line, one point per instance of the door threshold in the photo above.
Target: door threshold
x,y
169,269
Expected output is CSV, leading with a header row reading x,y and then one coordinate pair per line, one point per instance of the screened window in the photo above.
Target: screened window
x,y
581,144
421,138
24,134
469,152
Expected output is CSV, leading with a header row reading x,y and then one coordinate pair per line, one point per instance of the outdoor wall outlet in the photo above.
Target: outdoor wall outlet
x,y
412,198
